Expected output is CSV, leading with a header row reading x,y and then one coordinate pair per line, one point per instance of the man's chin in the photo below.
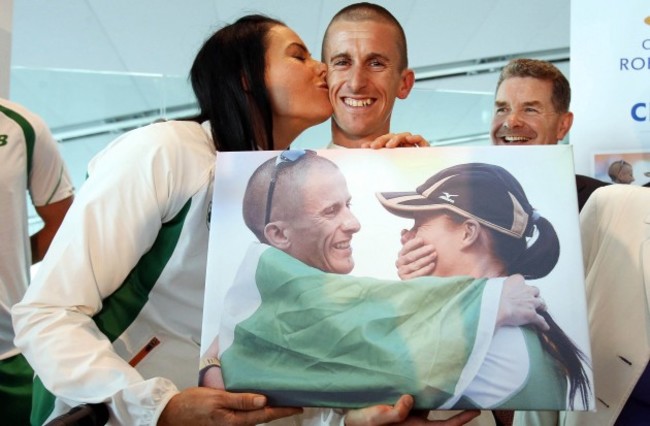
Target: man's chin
x,y
342,268
360,126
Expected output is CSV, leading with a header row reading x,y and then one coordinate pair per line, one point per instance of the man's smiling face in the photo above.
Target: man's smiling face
x,y
321,227
364,77
524,114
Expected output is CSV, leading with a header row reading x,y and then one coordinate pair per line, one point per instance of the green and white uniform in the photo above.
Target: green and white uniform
x,y
29,161
123,280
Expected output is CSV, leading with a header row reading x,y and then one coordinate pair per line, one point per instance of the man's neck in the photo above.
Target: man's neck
x,y
346,140
346,143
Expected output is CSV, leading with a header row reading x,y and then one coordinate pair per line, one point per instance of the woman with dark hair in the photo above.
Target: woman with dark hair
x,y
114,316
479,221
258,86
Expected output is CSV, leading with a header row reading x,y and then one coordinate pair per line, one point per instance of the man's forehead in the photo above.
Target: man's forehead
x,y
528,90
361,37
325,182
321,174
312,174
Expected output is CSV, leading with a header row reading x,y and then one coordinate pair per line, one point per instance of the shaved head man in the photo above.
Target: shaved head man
x,y
364,48
304,214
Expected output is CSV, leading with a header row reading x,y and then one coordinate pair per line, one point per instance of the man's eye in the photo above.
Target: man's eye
x,y
332,210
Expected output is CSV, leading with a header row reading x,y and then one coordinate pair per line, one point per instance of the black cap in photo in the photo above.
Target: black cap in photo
x,y
486,193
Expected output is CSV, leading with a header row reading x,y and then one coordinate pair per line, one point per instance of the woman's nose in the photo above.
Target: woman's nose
x,y
321,68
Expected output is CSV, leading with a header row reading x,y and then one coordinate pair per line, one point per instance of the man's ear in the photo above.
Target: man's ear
x,y
407,81
276,236
471,232
566,120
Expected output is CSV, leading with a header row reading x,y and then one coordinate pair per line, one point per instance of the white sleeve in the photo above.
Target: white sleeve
x,y
113,221
507,361
313,416
484,335
323,417
49,180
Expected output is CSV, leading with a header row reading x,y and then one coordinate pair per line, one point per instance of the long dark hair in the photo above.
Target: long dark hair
x,y
227,77
535,261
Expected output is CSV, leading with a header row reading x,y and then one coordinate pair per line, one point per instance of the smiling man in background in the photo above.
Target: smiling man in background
x,y
531,107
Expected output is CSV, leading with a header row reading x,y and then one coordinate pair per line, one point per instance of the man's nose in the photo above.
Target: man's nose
x,y
351,223
513,120
357,78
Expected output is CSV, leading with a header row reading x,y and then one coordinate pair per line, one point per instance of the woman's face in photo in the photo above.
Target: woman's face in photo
x,y
445,235
296,82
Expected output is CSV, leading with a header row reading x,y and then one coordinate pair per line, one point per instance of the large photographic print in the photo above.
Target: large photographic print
x,y
346,278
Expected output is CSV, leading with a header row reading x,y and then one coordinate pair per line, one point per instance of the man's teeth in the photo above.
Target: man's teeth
x,y
357,102
516,139
342,246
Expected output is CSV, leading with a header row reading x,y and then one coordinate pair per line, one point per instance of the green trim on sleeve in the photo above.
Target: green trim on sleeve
x,y
42,403
28,131
122,307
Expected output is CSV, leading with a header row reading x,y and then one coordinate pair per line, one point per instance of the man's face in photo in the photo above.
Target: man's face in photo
x,y
320,232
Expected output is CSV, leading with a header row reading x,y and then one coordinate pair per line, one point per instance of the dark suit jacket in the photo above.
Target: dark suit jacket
x,y
585,186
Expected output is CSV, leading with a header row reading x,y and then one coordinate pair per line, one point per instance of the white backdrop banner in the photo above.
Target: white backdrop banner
x,y
610,79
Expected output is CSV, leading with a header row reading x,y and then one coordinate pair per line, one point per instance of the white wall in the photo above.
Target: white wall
x,y
6,18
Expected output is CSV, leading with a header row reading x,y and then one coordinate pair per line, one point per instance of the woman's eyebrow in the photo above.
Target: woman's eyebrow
x,y
300,46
